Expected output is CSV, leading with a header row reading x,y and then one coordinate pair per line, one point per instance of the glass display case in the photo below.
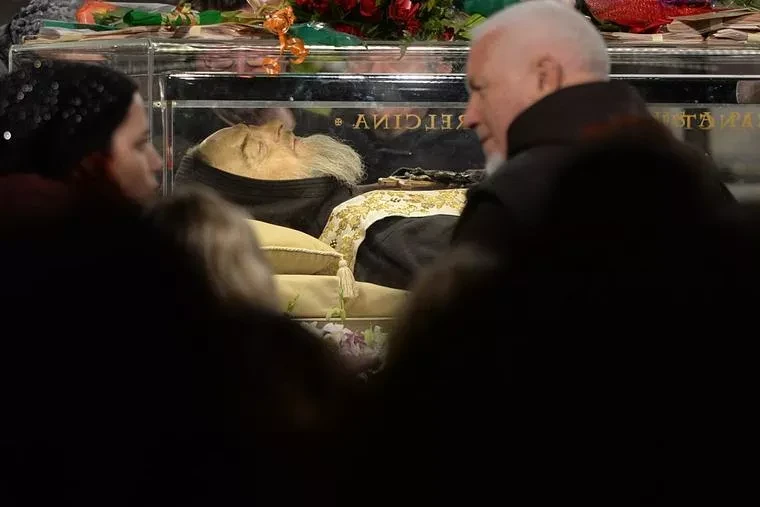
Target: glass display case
x,y
401,106
294,147
151,61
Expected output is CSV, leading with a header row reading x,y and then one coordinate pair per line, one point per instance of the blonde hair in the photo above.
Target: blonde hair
x,y
219,234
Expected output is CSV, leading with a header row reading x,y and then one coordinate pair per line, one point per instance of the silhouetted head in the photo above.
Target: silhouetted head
x,y
80,124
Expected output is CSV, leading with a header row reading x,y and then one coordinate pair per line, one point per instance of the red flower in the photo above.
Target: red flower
x,y
349,29
347,5
368,9
413,26
401,11
320,6
448,34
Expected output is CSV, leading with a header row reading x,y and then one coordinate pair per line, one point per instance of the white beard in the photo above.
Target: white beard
x,y
493,162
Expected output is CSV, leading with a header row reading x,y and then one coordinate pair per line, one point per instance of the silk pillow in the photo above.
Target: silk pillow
x,y
292,252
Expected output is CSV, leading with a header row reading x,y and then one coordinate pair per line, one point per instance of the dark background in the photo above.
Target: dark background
x,y
8,8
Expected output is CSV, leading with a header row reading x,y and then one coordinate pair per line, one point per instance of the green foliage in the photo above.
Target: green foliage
x,y
434,20
292,305
338,312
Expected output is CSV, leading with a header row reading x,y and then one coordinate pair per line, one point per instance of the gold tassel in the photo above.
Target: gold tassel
x,y
346,280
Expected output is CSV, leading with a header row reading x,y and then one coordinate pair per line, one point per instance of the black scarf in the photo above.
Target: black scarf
x,y
303,204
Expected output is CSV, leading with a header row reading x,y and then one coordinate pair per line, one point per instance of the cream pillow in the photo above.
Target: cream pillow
x,y
314,297
293,252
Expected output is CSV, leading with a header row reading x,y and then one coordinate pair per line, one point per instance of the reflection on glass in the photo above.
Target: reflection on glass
x,y
729,133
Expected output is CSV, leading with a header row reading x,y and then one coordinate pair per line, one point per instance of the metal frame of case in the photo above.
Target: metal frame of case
x,y
665,75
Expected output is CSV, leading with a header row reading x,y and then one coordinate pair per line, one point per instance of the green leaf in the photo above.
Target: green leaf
x,y
369,337
292,304
472,22
317,34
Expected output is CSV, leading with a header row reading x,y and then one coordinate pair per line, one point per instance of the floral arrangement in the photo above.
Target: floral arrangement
x,y
390,19
366,347
369,343
276,18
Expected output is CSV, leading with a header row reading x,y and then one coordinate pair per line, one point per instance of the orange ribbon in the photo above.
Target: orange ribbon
x,y
297,49
279,22
271,65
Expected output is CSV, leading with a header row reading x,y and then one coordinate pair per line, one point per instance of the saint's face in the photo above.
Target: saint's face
x,y
273,147
269,152
273,152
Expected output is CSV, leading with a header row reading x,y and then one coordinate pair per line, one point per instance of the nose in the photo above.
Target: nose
x,y
276,127
240,66
155,160
471,119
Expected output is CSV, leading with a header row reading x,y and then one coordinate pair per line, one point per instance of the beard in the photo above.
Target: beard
x,y
322,155
315,156
493,162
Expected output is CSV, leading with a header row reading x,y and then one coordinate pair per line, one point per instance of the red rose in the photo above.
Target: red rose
x,y
401,11
347,5
320,6
368,9
413,26
349,29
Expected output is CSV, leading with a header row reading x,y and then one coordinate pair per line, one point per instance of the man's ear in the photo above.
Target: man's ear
x,y
550,75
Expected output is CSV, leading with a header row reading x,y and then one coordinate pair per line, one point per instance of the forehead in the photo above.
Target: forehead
x,y
136,119
267,129
482,54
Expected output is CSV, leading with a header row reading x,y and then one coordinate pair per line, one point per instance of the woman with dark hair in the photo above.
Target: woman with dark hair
x,y
80,124
125,380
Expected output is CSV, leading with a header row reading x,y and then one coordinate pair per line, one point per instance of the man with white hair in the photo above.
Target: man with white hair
x,y
538,74
520,56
